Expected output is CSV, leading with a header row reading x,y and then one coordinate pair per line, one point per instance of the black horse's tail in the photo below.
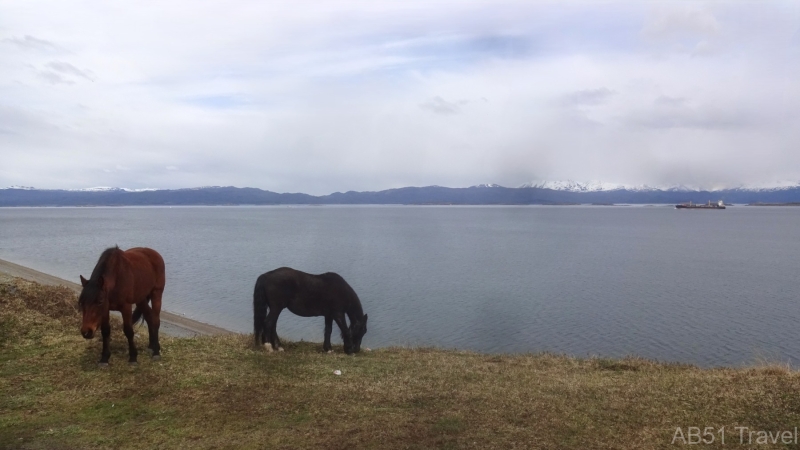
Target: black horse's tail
x,y
137,315
259,313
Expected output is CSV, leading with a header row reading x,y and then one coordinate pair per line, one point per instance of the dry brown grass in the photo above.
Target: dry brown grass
x,y
218,392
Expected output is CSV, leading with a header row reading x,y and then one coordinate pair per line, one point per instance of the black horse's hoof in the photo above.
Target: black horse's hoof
x,y
156,357
102,365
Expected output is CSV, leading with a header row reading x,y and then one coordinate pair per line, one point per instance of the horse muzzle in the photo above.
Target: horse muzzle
x,y
87,334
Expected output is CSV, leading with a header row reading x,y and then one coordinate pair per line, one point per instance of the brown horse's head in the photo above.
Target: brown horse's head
x,y
93,303
358,328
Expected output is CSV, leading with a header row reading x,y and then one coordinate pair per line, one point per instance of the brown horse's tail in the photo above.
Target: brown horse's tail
x,y
259,313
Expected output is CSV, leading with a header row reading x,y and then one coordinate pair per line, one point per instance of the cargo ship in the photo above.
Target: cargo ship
x,y
719,205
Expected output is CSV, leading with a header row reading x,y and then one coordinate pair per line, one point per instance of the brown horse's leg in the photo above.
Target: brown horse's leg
x,y
155,323
348,342
127,328
105,330
326,345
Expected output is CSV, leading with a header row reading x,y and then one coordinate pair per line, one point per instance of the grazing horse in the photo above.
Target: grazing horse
x,y
308,296
120,280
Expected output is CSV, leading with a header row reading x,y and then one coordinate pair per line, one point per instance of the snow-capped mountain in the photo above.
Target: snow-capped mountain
x,y
590,186
91,189
599,186
112,189
561,185
767,187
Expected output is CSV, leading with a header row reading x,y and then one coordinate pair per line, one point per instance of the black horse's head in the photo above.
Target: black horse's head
x,y
93,303
358,328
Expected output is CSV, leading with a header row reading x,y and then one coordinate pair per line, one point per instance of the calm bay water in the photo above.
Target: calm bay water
x,y
703,287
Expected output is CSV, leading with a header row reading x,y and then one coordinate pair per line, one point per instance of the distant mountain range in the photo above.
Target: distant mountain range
x,y
541,193
594,186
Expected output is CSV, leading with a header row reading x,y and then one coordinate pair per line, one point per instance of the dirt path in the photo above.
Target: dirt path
x,y
171,324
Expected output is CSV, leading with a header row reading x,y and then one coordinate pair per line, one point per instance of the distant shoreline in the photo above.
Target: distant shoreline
x,y
175,325
427,195
774,204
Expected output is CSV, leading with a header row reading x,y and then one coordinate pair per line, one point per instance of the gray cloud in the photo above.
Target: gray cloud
x,y
59,72
54,78
665,100
28,42
586,97
18,122
69,69
709,120
677,113
439,105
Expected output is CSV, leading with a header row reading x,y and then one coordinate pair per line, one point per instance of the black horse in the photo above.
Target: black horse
x,y
308,296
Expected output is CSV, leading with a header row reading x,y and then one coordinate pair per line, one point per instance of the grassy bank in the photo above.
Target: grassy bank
x,y
218,392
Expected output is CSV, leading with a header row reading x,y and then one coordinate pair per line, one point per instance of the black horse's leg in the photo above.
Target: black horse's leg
x,y
127,328
275,339
272,328
326,345
346,338
147,313
266,334
105,330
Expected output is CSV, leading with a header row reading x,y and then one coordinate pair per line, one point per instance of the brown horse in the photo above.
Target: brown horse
x,y
119,280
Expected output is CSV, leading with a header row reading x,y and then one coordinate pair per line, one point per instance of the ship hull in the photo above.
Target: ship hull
x,y
698,207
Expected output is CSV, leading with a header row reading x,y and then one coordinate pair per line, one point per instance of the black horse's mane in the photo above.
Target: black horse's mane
x,y
102,263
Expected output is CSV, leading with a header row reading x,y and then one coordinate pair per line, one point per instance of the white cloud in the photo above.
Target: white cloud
x,y
332,96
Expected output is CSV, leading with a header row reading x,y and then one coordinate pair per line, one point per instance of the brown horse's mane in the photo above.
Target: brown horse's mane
x,y
102,263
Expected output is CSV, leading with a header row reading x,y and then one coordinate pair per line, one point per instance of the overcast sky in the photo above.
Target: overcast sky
x,y
331,96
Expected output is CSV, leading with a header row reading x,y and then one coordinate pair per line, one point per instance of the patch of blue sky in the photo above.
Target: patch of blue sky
x,y
458,53
462,47
550,35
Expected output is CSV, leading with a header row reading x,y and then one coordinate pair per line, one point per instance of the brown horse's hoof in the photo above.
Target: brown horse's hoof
x,y
329,351
156,357
102,365
133,363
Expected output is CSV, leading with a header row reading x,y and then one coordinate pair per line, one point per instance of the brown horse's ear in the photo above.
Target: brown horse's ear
x,y
84,281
